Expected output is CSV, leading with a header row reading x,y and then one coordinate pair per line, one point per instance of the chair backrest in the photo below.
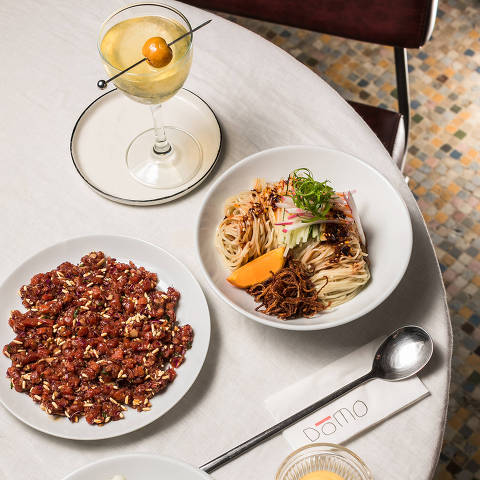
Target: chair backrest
x,y
400,23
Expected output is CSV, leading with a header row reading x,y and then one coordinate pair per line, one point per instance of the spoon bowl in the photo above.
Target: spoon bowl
x,y
403,353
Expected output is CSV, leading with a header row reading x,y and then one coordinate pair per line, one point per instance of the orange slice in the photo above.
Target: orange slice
x,y
259,269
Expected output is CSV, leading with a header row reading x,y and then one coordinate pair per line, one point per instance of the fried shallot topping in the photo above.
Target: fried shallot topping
x,y
289,293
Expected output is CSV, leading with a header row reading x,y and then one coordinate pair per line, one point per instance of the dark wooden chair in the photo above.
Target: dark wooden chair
x,y
401,24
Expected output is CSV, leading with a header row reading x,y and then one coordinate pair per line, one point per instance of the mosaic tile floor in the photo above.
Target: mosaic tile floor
x,y
444,168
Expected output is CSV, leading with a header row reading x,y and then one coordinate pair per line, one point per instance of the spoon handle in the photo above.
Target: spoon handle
x,y
270,432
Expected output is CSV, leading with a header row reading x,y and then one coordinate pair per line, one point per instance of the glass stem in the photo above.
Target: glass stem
x,y
161,145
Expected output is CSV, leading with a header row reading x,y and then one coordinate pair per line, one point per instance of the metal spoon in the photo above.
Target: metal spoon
x,y
402,354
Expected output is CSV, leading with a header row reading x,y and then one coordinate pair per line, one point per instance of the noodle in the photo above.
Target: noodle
x,y
248,229
337,259
338,277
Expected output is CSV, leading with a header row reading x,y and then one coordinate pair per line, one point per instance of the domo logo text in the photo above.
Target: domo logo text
x,y
336,420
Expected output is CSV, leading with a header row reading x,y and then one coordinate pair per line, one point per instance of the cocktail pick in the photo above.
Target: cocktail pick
x,y
102,84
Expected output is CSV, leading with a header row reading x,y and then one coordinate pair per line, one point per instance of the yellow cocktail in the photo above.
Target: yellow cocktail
x,y
122,45
151,157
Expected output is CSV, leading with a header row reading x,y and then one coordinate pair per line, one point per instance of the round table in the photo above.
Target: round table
x,y
263,98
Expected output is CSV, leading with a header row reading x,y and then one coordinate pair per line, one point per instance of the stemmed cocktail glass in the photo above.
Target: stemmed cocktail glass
x,y
163,156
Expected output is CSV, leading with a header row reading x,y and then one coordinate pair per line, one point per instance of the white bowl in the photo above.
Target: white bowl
x,y
383,214
138,466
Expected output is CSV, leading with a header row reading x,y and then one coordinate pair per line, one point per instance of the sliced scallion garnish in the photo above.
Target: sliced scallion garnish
x,y
310,195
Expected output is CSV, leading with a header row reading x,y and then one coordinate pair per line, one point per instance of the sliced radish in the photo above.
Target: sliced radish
x,y
356,216
297,210
298,225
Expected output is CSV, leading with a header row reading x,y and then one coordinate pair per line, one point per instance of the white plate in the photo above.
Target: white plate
x,y
106,127
383,213
192,309
138,467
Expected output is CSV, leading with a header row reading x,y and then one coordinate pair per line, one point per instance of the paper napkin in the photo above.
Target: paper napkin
x,y
349,415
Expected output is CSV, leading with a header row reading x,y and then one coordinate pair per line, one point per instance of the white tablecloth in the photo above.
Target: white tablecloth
x,y
263,98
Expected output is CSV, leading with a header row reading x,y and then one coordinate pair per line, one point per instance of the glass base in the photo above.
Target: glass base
x,y
164,170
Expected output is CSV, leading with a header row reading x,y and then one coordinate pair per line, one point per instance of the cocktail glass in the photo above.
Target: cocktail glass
x,y
163,156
